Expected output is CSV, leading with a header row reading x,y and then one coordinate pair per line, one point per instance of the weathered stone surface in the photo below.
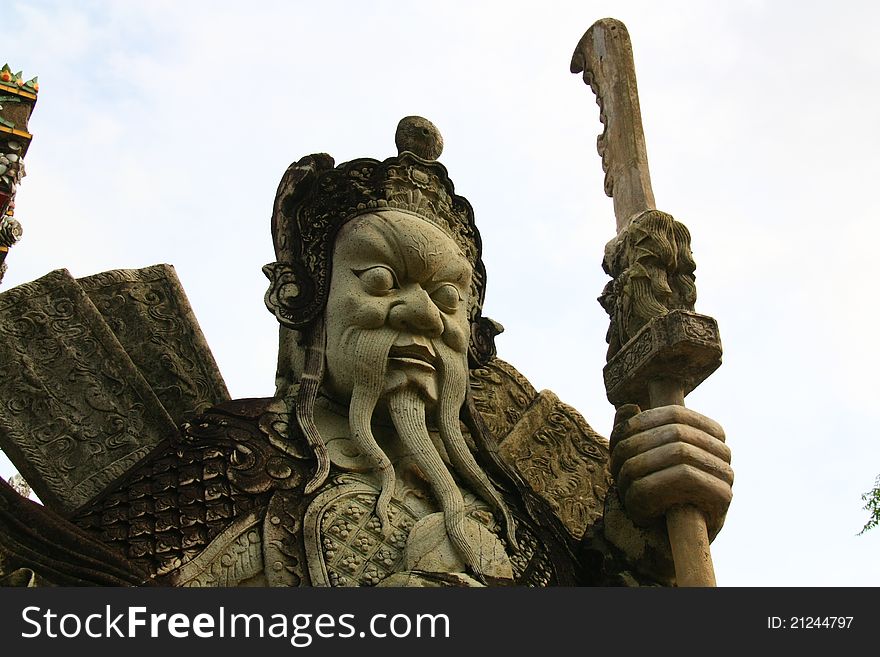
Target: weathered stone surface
x,y
183,501
149,314
396,442
652,267
76,413
501,394
38,547
232,558
684,346
563,459
604,56
418,136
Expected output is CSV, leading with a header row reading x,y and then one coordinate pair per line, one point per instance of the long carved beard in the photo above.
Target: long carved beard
x,y
407,408
371,363
408,413
452,397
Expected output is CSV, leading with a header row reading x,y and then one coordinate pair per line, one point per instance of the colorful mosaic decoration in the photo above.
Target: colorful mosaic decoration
x,y
17,99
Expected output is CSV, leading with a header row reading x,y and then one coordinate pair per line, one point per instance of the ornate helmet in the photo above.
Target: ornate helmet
x,y
315,199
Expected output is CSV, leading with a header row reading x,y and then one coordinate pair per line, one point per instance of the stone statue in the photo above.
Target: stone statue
x,y
398,450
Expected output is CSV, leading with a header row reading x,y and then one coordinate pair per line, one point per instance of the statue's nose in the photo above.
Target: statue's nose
x,y
416,313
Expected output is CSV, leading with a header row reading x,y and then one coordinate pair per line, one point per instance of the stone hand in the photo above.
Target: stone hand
x,y
670,456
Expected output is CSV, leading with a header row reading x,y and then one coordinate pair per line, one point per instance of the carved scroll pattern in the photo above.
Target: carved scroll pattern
x,y
231,558
565,461
76,415
283,548
637,352
501,395
149,313
242,559
680,342
700,328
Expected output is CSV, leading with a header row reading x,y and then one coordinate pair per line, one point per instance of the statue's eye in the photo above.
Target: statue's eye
x,y
447,298
377,280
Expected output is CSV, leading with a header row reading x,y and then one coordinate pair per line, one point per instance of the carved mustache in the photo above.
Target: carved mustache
x,y
414,350
406,348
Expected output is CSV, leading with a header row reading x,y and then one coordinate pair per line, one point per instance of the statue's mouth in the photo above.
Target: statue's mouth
x,y
413,353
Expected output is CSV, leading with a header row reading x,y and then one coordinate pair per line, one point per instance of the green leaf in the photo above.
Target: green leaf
x,y
872,506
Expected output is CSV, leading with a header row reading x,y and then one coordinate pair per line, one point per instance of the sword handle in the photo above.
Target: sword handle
x,y
685,525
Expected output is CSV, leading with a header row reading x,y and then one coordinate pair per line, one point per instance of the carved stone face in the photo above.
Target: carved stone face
x,y
394,272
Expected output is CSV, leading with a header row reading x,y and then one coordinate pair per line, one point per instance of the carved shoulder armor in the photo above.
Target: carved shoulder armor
x,y
547,441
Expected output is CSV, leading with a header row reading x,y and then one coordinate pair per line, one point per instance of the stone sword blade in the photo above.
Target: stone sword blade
x,y
604,56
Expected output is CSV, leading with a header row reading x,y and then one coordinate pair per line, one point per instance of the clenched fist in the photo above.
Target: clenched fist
x,y
670,456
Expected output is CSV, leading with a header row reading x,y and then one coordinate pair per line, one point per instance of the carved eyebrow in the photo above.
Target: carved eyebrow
x,y
454,270
434,266
376,247
382,243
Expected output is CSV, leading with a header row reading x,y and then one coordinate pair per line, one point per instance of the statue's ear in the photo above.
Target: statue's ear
x,y
482,345
290,294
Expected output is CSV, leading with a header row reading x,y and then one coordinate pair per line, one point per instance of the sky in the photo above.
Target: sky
x,y
163,128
